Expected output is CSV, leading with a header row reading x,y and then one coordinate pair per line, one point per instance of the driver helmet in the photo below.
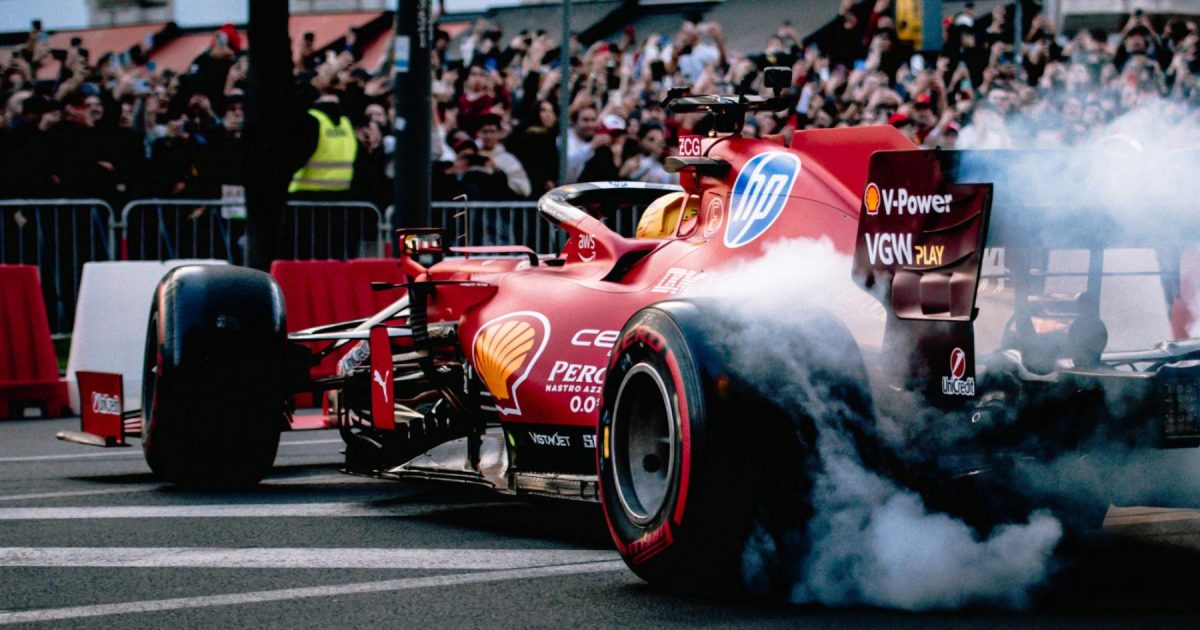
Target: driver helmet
x,y
663,215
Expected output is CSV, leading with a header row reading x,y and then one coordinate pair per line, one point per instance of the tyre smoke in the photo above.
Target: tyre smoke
x,y
870,540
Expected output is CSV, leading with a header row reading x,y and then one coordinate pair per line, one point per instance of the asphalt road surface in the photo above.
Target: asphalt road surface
x,y
89,538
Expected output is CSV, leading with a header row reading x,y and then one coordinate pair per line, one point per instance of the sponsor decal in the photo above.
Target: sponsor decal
x,y
594,337
716,216
587,247
955,384
383,412
650,544
382,381
889,248
901,202
550,439
505,350
689,146
584,404
677,280
893,248
871,199
105,404
643,334
929,254
575,378
561,440
760,193
101,402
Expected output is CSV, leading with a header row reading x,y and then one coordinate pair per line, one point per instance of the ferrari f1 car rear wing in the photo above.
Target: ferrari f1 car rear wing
x,y
927,216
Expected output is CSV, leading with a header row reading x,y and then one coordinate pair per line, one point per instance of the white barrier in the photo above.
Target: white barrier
x,y
110,322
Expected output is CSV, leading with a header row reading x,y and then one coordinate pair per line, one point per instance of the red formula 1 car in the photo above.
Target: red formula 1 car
x,y
606,373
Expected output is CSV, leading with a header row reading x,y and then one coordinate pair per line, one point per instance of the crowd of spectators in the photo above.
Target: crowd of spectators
x,y
116,129
497,95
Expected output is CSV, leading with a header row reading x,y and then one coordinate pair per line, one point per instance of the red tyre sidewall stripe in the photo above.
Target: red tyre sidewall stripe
x,y
685,438
621,547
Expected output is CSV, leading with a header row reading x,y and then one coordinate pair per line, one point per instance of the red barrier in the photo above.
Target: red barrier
x,y
28,367
368,270
321,292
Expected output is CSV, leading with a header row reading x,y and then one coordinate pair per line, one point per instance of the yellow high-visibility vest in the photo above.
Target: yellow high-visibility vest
x,y
331,166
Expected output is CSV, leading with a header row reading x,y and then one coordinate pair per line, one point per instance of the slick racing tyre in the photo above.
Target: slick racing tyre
x,y
214,382
697,461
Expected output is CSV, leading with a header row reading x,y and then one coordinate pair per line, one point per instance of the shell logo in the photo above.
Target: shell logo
x,y
505,350
871,199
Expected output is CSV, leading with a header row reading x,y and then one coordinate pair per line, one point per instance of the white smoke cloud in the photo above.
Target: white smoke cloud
x,y
1130,184
871,540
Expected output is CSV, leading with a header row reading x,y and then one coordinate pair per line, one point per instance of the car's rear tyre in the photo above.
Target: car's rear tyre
x,y
214,380
697,465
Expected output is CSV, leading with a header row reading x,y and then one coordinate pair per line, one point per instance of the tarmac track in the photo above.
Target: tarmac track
x,y
89,538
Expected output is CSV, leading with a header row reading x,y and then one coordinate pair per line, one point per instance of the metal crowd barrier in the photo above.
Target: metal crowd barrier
x,y
59,236
513,223
166,229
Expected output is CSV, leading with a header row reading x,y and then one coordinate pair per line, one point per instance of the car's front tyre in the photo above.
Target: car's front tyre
x,y
214,380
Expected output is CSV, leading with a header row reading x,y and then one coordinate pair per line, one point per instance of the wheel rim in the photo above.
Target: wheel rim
x,y
643,429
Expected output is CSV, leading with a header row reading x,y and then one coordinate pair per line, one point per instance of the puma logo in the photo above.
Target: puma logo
x,y
383,385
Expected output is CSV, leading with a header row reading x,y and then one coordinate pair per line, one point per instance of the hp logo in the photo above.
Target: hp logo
x,y
759,195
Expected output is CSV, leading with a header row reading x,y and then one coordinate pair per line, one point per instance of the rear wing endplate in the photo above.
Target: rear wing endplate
x,y
919,249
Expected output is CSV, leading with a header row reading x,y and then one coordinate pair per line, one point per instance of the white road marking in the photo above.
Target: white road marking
x,y
338,478
135,452
308,442
190,511
256,597
77,493
48,458
263,510
295,558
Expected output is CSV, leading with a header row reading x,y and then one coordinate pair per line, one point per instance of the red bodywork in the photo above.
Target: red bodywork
x,y
541,343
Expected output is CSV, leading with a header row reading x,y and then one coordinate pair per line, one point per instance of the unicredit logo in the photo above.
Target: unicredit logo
x,y
105,404
955,384
958,363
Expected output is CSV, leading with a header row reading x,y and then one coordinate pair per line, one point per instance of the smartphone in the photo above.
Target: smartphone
x,y
657,70
917,63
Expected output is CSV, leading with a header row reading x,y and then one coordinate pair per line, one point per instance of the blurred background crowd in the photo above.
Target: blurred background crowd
x,y
114,128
